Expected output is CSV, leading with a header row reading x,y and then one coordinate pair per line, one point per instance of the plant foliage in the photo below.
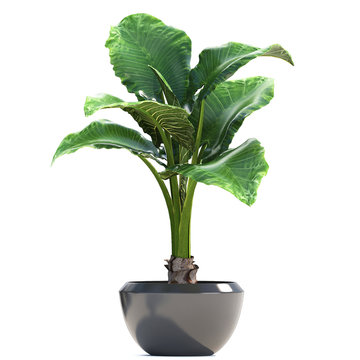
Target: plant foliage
x,y
190,115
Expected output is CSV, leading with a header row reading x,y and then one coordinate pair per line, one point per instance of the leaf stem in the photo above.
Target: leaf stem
x,y
184,227
174,186
174,181
199,133
166,194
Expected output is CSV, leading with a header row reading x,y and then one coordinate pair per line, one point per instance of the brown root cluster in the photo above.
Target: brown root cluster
x,y
181,270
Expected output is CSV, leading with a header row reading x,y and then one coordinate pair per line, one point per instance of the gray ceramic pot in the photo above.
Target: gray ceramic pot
x,y
186,320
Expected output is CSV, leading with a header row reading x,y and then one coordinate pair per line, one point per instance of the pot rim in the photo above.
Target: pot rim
x,y
163,287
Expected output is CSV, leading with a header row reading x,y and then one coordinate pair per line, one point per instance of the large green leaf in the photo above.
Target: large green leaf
x,y
227,107
105,134
238,170
219,63
149,115
141,40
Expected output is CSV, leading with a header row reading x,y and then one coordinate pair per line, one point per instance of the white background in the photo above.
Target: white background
x,y
71,235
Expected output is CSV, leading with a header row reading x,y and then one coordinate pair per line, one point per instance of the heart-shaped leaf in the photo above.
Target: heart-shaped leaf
x,y
141,40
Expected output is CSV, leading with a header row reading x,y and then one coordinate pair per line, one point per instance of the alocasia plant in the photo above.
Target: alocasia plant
x,y
191,116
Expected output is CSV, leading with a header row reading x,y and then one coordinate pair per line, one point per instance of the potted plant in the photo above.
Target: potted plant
x,y
191,117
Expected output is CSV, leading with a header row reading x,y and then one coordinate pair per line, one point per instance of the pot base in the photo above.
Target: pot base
x,y
181,319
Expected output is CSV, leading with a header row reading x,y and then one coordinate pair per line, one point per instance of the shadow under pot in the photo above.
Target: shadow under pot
x,y
181,319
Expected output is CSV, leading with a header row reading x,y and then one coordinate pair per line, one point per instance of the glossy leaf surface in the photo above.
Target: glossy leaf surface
x,y
141,40
149,114
105,134
219,63
238,171
227,107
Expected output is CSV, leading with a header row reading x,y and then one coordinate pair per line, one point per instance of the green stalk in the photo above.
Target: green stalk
x,y
182,179
184,249
174,185
184,228
199,133
166,196
174,190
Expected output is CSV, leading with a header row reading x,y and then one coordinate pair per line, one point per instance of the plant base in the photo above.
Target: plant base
x,y
181,270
